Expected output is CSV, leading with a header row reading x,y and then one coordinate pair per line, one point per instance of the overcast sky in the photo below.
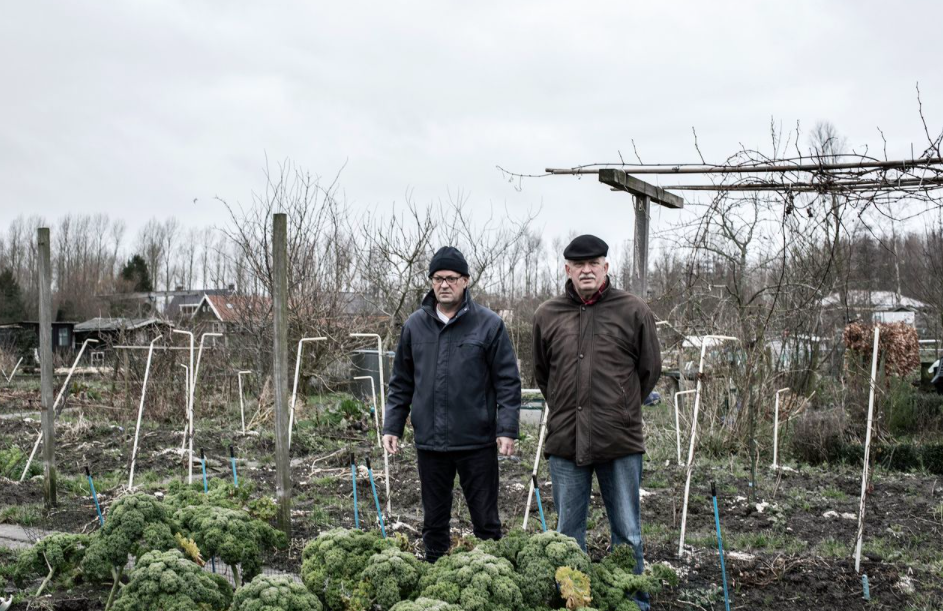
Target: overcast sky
x,y
138,108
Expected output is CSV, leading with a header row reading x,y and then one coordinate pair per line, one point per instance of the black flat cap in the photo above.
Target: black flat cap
x,y
585,247
450,259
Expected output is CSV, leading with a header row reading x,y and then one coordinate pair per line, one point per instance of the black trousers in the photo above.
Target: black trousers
x,y
478,475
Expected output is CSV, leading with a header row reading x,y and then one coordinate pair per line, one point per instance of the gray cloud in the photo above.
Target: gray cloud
x,y
135,109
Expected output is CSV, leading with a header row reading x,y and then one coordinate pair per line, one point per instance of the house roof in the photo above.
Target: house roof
x,y
873,300
118,324
235,308
191,298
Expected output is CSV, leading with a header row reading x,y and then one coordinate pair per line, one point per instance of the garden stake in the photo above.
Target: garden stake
x,y
690,467
232,459
206,491
381,407
540,443
353,479
91,486
294,390
867,449
373,410
540,506
137,429
12,373
376,498
864,585
203,466
776,429
720,545
242,402
62,390
677,420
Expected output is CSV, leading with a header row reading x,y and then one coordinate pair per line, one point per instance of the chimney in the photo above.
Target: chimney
x,y
232,288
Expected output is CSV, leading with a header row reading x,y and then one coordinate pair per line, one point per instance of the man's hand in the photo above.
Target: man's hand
x,y
505,446
391,443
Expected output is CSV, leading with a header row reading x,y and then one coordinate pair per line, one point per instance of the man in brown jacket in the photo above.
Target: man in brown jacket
x,y
596,357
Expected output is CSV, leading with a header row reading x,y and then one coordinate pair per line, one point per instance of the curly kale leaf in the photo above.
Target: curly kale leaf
x,y
425,604
57,555
538,561
136,524
508,546
168,581
389,577
332,563
615,582
474,580
230,534
275,593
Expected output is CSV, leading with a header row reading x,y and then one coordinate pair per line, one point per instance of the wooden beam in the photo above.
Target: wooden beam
x,y
639,188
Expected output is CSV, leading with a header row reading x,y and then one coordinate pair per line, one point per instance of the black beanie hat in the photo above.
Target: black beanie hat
x,y
448,258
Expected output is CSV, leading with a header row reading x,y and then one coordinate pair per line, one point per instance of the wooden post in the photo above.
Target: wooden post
x,y
46,368
640,254
644,194
280,373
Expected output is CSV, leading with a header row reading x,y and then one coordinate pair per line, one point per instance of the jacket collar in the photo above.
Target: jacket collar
x,y
576,298
429,302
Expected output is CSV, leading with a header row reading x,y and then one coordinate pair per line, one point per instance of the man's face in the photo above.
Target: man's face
x,y
448,286
587,276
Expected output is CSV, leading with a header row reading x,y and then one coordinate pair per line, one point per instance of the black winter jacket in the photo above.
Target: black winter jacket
x,y
460,379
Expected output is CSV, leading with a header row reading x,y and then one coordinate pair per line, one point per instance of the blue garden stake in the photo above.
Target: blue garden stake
x,y
353,479
540,506
376,498
232,459
101,520
203,465
720,546
864,584
206,491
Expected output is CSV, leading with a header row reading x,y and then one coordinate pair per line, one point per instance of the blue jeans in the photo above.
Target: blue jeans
x,y
619,482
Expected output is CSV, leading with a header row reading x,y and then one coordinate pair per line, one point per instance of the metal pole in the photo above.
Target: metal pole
x,y
242,403
380,360
867,448
294,389
46,368
376,417
56,403
280,373
190,385
91,487
533,480
678,422
776,429
193,379
690,467
376,499
137,429
720,545
13,373
186,414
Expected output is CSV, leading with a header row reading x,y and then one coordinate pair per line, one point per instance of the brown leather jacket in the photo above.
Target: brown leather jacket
x,y
594,365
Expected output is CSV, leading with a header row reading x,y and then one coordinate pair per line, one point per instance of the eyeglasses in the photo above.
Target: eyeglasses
x,y
440,280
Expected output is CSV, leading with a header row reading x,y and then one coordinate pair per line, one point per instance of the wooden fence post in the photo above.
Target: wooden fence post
x,y
280,372
46,368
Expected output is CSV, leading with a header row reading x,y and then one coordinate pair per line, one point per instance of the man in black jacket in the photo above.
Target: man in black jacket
x,y
455,367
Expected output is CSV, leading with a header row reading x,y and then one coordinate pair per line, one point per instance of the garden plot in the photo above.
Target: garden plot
x,y
789,545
